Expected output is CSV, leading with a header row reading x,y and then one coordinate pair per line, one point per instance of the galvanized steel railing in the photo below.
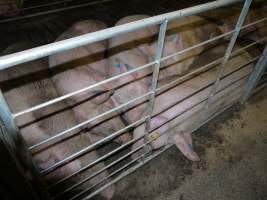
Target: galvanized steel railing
x,y
162,20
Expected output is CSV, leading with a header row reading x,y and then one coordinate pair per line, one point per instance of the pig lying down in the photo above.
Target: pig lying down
x,y
21,93
136,49
165,108
79,68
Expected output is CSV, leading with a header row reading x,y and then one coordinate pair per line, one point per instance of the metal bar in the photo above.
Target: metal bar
x,y
60,46
11,168
42,105
253,23
205,67
8,121
16,145
255,76
118,108
158,55
197,45
100,142
259,88
46,4
74,156
230,47
52,11
106,178
100,171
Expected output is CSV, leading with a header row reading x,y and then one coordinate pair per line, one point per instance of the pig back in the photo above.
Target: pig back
x,y
135,38
80,67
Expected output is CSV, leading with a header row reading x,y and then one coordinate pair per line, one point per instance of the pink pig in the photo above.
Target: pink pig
x,y
82,67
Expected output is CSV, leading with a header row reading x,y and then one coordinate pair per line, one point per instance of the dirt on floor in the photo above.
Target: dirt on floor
x,y
233,166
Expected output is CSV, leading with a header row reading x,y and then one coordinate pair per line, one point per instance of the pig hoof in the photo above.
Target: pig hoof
x,y
108,193
184,143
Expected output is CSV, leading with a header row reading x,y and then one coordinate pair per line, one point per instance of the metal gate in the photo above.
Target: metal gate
x,y
20,154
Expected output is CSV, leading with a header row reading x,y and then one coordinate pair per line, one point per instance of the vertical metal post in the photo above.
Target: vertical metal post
x,y
255,76
9,123
15,143
158,55
228,52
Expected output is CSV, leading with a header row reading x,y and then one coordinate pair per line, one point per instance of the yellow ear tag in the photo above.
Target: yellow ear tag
x,y
154,136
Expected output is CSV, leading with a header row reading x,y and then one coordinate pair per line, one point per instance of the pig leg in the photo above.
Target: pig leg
x,y
183,142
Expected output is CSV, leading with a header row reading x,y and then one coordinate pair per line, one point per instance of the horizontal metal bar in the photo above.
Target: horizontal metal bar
x,y
52,168
52,11
62,162
118,108
205,67
40,106
197,45
106,178
46,4
259,88
100,142
60,46
140,164
98,172
253,23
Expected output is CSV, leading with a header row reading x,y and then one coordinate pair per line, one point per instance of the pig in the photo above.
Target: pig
x,y
226,20
80,67
166,108
44,123
181,34
125,54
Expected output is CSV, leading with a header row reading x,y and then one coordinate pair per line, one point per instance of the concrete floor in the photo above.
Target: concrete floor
x,y
233,151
